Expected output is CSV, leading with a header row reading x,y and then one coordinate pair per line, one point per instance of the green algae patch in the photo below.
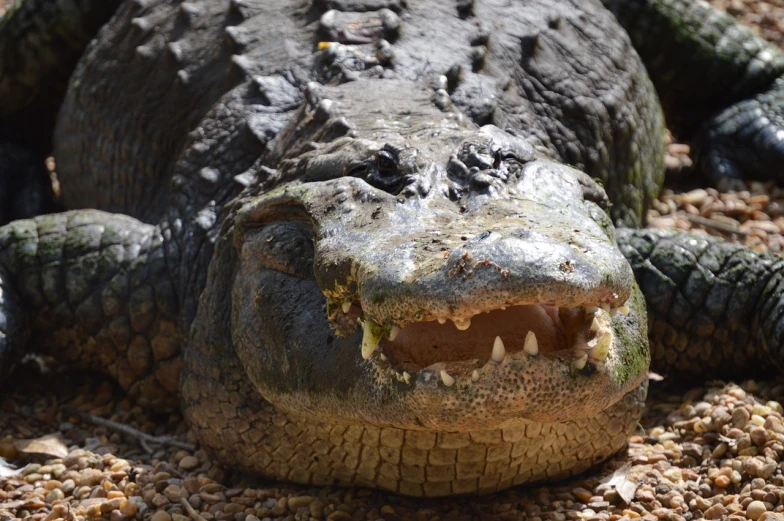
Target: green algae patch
x,y
633,357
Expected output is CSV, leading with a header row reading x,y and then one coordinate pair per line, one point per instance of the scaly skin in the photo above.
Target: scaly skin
x,y
711,304
719,83
319,210
40,43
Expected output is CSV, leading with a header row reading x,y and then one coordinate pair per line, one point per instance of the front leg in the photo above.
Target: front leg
x,y
93,289
721,85
713,307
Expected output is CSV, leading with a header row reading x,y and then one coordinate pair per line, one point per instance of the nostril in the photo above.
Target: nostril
x,y
456,169
480,181
479,160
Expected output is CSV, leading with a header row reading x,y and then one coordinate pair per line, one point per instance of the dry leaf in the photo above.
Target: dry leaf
x,y
623,485
7,470
50,445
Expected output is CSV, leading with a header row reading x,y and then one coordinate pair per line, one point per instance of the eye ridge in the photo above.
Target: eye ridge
x,y
386,162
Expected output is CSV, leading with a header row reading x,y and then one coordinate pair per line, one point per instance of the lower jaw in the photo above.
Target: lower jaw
x,y
433,463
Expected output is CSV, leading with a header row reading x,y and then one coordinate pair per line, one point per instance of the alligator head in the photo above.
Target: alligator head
x,y
408,269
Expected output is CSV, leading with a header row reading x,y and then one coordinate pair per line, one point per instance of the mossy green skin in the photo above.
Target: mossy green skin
x,y
721,86
282,206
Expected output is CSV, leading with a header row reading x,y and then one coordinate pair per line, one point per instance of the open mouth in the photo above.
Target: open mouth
x,y
466,349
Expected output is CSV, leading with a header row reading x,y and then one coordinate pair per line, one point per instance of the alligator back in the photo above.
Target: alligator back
x,y
563,73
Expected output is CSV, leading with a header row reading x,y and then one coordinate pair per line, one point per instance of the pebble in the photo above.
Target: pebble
x,y
755,510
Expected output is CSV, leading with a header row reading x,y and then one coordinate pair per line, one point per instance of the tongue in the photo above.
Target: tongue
x,y
426,343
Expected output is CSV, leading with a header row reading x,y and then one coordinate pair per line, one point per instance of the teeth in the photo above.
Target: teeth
x,y
499,351
393,331
406,377
602,347
475,376
346,306
448,379
370,338
441,320
531,345
462,323
580,362
595,325
383,357
591,310
623,310
606,307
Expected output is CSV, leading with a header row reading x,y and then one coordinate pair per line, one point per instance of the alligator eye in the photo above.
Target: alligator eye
x,y
504,155
386,163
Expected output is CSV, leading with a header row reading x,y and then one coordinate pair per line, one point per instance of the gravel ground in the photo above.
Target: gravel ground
x,y
711,452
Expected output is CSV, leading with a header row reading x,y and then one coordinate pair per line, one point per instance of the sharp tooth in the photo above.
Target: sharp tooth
x,y
580,362
393,331
531,345
606,307
462,323
370,338
475,376
447,378
441,320
623,310
499,351
590,310
406,377
346,306
595,325
602,347
613,312
383,357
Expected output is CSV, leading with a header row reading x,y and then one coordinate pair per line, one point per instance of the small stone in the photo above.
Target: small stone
x,y
583,495
161,515
54,495
173,492
716,511
759,436
755,510
722,481
740,417
189,463
297,502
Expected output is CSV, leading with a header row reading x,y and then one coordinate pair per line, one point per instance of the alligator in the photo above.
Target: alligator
x,y
389,244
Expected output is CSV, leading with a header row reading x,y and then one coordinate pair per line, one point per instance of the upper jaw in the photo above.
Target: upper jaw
x,y
397,263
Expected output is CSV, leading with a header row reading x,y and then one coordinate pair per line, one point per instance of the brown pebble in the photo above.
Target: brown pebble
x,y
189,463
160,515
297,502
755,510
715,512
722,481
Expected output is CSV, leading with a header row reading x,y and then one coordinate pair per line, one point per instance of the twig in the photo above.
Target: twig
x,y
191,511
718,225
142,437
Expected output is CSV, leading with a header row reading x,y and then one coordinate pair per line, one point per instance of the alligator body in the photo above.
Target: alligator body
x,y
343,235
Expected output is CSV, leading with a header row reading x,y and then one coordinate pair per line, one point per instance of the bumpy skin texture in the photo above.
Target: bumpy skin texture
x,y
717,81
40,44
299,217
712,304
